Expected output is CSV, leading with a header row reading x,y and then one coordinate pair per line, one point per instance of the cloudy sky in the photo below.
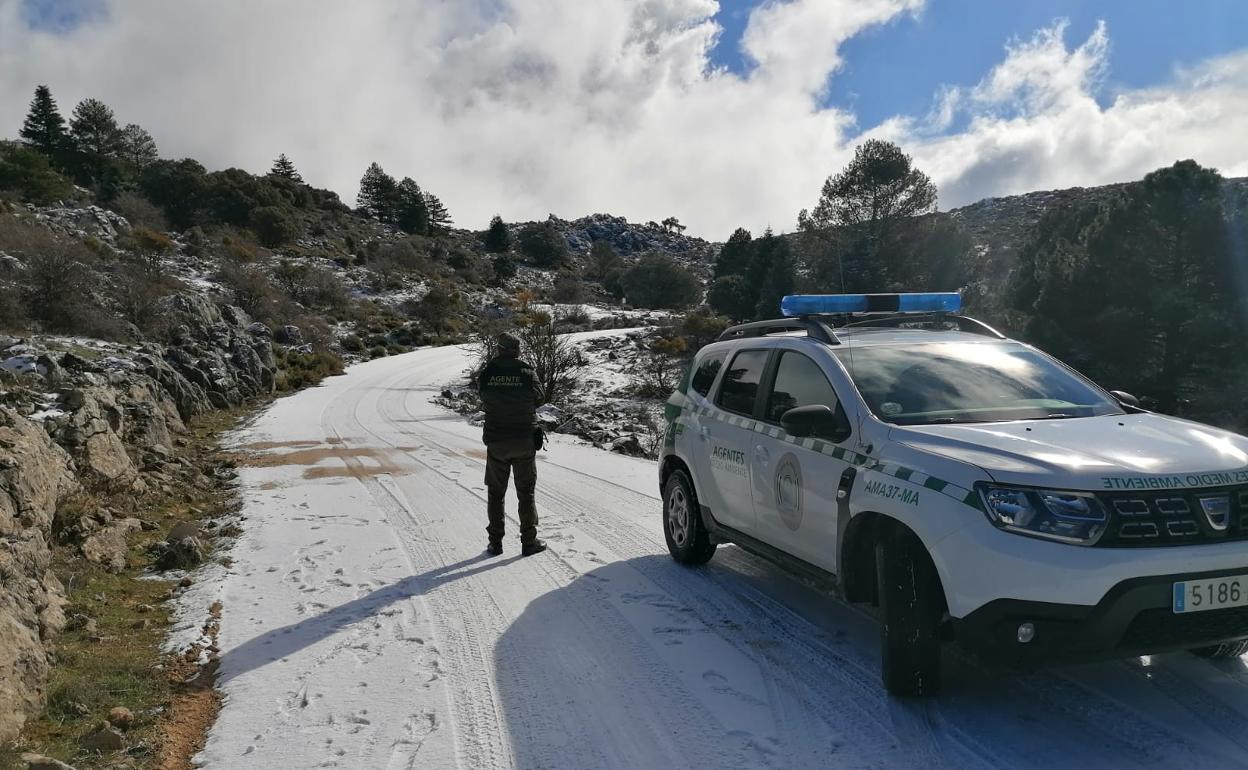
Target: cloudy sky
x,y
723,114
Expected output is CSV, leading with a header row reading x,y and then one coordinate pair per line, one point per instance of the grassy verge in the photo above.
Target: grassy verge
x,y
116,660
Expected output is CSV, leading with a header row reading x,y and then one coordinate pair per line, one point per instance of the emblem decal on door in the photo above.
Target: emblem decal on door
x,y
788,488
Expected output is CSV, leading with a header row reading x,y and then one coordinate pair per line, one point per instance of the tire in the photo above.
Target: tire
x,y
686,534
911,608
1222,651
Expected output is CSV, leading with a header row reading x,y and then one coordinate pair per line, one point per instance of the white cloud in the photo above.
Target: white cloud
x,y
1034,122
525,107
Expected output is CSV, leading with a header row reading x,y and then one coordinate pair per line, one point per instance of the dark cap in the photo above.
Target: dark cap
x,y
508,344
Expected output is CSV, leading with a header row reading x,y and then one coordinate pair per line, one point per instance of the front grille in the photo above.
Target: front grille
x,y
1175,517
1160,628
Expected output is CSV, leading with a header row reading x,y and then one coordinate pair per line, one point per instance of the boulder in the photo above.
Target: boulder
x,y
92,435
184,554
289,335
105,739
121,717
107,547
629,445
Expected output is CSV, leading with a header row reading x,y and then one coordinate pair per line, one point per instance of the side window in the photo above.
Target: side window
x,y
704,375
740,386
799,382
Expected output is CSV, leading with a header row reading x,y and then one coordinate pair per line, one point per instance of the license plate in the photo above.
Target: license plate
x,y
1212,594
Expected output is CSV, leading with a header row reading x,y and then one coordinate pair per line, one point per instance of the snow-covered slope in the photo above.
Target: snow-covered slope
x,y
363,628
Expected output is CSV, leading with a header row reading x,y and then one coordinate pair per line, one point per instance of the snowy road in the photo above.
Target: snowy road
x,y
362,628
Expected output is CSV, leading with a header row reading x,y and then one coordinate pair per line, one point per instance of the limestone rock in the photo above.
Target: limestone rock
x,y
105,739
185,554
108,546
35,475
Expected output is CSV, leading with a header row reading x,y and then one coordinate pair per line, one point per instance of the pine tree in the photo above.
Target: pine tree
x,y
411,214
439,217
378,194
94,129
603,261
497,238
736,255
44,129
284,168
138,147
777,282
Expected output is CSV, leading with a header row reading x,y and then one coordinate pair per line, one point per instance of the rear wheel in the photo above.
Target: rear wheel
x,y
1222,651
911,608
687,536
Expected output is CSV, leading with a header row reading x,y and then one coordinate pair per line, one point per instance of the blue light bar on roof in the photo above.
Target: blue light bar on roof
x,y
832,304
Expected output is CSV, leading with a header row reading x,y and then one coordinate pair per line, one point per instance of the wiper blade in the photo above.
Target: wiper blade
x,y
1056,416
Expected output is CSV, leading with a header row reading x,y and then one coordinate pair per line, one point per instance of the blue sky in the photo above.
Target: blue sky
x,y
897,68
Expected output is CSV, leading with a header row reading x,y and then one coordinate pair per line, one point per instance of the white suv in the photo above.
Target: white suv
x,y
970,486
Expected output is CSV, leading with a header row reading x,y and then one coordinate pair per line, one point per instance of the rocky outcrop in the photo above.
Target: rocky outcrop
x,y
112,420
85,222
628,238
35,476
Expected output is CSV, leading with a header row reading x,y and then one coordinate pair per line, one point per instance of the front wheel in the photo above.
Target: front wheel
x,y
911,608
1222,651
686,534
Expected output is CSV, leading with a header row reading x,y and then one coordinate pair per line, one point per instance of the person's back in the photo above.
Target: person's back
x,y
509,396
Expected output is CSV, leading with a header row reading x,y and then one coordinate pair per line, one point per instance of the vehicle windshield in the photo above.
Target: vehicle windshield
x,y
961,382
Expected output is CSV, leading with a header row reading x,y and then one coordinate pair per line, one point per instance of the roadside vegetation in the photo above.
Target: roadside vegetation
x,y
111,676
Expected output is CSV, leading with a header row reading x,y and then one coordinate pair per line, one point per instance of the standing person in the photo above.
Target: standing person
x,y
509,395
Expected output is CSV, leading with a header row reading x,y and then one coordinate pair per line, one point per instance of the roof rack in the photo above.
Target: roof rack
x,y
964,323
818,314
817,327
814,327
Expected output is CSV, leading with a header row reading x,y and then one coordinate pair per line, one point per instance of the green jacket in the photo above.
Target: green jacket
x,y
509,395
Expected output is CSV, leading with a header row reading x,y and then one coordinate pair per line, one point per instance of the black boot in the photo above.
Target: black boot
x,y
528,549
494,548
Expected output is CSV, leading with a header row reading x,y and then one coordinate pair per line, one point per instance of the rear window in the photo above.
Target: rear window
x,y
739,389
704,375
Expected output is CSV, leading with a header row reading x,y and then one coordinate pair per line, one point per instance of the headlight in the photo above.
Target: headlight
x,y
1071,517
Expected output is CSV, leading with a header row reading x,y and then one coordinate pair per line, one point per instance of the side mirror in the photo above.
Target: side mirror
x,y
817,420
1125,398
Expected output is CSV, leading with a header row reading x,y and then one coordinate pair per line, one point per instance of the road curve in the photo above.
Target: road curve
x,y
363,628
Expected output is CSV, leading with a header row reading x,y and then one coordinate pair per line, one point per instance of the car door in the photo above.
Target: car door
x,y
796,481
728,435
694,440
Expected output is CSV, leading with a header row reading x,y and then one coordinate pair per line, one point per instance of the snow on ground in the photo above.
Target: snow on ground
x,y
363,628
601,313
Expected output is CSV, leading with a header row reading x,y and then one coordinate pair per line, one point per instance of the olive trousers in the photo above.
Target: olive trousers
x,y
500,458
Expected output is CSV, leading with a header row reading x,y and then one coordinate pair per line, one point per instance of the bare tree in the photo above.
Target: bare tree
x,y
556,362
661,367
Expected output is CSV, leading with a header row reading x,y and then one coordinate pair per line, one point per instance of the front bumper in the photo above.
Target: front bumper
x,y
1133,618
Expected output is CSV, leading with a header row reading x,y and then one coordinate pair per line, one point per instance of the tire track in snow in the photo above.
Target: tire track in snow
x,y
1149,744
591,617
473,705
783,667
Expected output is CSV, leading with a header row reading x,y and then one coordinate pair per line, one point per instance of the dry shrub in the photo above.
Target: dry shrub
x,y
140,212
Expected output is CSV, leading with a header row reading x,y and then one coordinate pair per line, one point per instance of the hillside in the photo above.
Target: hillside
x,y
1000,227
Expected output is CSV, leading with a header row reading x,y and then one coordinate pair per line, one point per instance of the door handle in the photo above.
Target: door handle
x,y
704,432
762,455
